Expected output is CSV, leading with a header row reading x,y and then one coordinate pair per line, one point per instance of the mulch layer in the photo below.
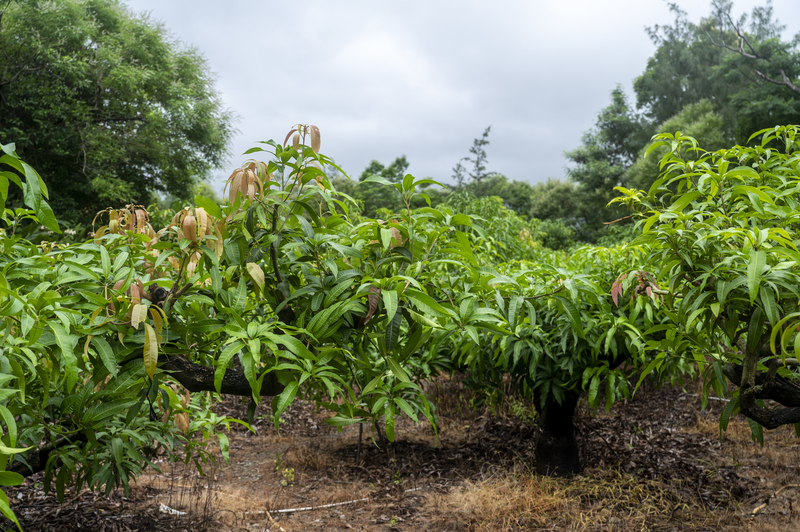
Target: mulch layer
x,y
654,437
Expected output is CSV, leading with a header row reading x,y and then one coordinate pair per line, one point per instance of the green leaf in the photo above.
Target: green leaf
x,y
684,200
405,407
13,450
768,301
284,400
224,360
755,268
373,384
376,179
427,304
216,279
256,274
757,431
100,413
726,413
239,300
386,238
5,509
209,205
573,314
393,330
397,370
9,478
461,219
340,421
594,386
106,354
61,480
389,302
65,343
755,329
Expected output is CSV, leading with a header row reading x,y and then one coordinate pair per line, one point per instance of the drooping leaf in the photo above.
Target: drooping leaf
x,y
150,350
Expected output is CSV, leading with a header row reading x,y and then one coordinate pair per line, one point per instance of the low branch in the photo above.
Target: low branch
x,y
37,458
197,378
780,390
193,377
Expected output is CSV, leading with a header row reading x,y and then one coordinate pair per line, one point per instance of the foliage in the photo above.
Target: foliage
x,y
105,104
564,333
696,120
504,235
516,195
556,235
97,334
742,66
722,228
374,196
376,200
681,70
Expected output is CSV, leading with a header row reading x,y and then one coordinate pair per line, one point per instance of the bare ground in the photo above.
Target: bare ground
x,y
653,463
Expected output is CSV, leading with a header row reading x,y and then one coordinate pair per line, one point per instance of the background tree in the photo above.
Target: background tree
x,y
477,172
601,161
374,196
105,104
740,65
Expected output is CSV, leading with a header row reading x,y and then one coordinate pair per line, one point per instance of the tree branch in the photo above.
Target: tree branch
x,y
780,390
786,83
197,378
37,458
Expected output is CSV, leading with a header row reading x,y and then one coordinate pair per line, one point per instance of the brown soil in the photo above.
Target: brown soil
x,y
653,463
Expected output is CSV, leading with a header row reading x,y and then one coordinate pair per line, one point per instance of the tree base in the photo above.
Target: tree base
x,y
556,446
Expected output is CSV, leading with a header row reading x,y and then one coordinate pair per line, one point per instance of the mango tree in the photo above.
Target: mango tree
x,y
558,334
723,230
105,345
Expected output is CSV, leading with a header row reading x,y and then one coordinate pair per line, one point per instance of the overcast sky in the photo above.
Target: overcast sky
x,y
423,78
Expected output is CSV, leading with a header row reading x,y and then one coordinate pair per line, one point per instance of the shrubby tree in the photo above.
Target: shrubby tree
x,y
99,337
106,105
559,335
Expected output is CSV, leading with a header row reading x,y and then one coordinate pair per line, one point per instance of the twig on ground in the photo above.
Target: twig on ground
x,y
764,505
331,505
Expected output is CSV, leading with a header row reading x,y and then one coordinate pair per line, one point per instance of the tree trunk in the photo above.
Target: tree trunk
x,y
556,447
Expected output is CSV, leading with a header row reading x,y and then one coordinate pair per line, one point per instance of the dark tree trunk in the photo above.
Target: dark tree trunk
x,y
556,446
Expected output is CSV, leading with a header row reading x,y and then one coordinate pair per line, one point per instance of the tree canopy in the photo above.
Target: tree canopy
x,y
106,105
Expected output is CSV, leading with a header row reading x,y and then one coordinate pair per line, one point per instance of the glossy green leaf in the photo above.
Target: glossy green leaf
x,y
755,269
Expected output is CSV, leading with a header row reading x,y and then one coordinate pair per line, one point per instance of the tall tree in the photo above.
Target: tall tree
x,y
106,104
478,160
680,71
600,162
740,65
